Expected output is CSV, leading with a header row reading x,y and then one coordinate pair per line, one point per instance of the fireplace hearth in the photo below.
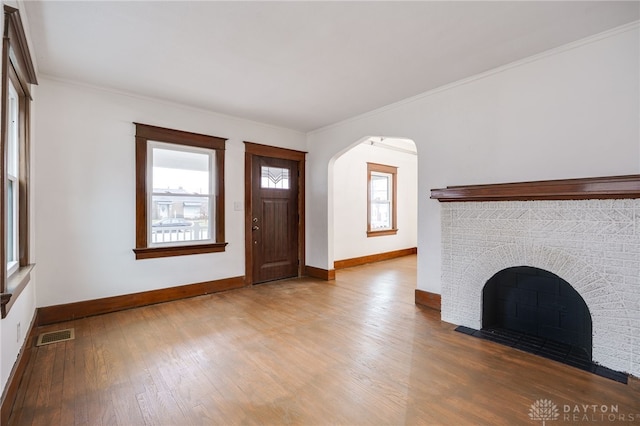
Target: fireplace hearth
x,y
560,352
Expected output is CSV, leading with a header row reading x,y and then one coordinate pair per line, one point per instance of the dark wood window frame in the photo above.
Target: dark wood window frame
x,y
18,68
393,171
145,134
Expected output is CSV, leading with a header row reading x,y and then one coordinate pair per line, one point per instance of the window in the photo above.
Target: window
x,y
381,199
17,76
13,146
181,197
274,178
179,193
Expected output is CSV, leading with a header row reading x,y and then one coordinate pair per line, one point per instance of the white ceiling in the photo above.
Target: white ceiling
x,y
301,65
395,144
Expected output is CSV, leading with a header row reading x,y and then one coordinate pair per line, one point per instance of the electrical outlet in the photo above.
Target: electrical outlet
x,y
18,333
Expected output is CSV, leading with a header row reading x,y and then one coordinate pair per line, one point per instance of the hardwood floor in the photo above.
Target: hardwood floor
x,y
356,351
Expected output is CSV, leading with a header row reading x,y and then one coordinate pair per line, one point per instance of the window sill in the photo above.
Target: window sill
x,y
155,252
382,232
15,284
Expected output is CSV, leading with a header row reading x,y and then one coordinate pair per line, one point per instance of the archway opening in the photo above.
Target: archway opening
x,y
355,240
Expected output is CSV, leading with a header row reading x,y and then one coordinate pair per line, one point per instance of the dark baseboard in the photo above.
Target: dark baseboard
x,y
70,311
17,372
322,274
356,261
429,300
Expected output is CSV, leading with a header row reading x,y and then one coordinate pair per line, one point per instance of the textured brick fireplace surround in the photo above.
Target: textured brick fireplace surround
x,y
586,231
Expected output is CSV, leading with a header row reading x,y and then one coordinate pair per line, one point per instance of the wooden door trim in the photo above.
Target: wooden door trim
x,y
251,150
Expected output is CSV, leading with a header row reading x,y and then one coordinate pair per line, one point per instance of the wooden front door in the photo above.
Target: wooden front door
x,y
274,226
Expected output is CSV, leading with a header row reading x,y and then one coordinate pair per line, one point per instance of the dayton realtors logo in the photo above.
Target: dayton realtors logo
x,y
585,413
544,410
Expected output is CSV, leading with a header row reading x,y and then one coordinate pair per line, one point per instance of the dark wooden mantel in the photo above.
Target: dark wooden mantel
x,y
568,189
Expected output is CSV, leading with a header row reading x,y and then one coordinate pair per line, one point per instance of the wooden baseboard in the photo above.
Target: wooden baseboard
x,y
70,311
322,274
17,372
356,261
429,300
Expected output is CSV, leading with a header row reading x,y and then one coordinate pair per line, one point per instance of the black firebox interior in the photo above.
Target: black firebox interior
x,y
538,312
539,304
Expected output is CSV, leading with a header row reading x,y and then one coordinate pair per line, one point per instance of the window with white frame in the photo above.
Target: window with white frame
x,y
381,199
13,184
180,194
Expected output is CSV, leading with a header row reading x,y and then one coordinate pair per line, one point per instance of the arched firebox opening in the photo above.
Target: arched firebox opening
x,y
540,311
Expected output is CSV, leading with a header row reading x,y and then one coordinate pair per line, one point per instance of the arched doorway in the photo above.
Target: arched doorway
x,y
353,241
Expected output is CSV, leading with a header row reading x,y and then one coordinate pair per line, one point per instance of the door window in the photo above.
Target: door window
x,y
274,177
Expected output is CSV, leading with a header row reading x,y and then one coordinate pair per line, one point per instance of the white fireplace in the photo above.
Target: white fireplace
x,y
593,244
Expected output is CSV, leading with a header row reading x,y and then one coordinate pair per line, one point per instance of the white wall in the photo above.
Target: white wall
x,y
85,205
350,202
22,312
573,112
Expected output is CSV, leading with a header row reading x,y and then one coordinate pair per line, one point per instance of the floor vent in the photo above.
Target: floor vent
x,y
55,337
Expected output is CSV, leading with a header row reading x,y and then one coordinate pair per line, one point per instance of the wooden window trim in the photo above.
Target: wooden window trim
x,y
393,171
145,134
16,283
17,66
